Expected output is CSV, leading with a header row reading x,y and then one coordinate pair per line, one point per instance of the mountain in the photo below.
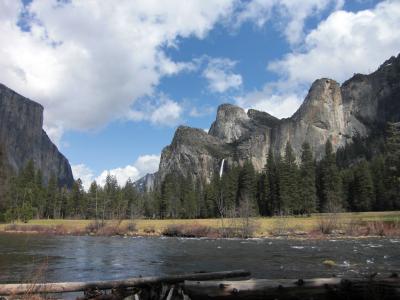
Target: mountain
x,y
329,111
145,184
22,139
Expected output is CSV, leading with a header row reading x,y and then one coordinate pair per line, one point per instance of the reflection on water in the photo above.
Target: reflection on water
x,y
68,258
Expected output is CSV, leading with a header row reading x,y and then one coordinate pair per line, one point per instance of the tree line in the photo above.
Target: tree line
x,y
355,178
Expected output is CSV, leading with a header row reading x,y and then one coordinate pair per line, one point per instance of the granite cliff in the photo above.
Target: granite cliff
x,y
329,111
22,139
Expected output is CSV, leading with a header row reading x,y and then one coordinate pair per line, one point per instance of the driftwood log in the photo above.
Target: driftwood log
x,y
321,288
65,287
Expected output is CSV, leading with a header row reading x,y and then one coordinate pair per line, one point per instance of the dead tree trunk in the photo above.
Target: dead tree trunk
x,y
65,287
319,288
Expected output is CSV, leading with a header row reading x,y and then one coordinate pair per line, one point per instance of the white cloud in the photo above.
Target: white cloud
x,y
343,44
144,164
201,111
147,164
288,14
121,174
220,75
159,111
84,173
166,114
87,62
280,105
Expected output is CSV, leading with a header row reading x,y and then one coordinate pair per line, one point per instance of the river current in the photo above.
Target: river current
x,y
87,258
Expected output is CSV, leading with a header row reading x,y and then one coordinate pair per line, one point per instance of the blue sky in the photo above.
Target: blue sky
x,y
116,81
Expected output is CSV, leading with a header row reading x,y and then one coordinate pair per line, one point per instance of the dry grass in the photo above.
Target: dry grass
x,y
190,231
350,223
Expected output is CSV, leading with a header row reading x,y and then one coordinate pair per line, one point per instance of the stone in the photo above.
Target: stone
x,y
329,111
22,139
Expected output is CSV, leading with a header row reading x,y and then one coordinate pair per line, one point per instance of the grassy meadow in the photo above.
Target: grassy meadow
x,y
345,224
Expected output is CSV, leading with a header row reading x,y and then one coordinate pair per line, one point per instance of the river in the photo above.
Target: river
x,y
83,258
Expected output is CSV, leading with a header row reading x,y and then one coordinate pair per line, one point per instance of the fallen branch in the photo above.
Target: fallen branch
x,y
64,287
319,288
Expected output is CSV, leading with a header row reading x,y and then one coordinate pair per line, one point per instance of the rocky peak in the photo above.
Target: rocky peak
x,y
230,124
22,138
145,184
262,118
329,112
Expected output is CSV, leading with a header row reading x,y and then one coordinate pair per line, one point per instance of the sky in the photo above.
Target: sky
x,y
116,78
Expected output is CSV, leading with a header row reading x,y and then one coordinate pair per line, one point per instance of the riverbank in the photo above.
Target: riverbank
x,y
316,226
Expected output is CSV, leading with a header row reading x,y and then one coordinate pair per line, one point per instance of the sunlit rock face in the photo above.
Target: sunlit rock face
x,y
22,139
232,122
145,184
329,111
192,153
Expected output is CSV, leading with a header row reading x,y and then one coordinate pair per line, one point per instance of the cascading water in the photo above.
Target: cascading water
x,y
222,168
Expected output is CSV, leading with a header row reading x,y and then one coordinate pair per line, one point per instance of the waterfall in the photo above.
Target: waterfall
x,y
222,168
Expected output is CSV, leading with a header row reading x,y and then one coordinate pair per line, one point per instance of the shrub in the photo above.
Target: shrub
x,y
95,226
327,223
149,230
131,226
354,228
190,231
280,226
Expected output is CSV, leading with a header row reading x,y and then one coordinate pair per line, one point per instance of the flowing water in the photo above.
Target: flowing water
x,y
84,258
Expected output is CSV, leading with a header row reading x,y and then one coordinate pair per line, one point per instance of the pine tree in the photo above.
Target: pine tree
x,y
212,197
75,199
135,207
51,197
247,186
347,179
169,204
289,194
363,188
392,166
378,178
307,188
261,195
39,200
110,200
229,189
271,185
330,182
188,199
93,196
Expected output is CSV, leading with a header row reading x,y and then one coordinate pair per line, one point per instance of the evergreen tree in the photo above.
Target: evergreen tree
x,y
307,188
392,166
378,175
246,188
211,198
76,199
347,179
135,206
363,188
271,185
289,194
188,199
39,200
110,200
330,182
51,197
261,194
169,204
93,197
229,189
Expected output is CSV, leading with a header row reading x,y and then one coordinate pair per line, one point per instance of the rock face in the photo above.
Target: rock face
x,y
145,184
329,111
22,139
193,153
